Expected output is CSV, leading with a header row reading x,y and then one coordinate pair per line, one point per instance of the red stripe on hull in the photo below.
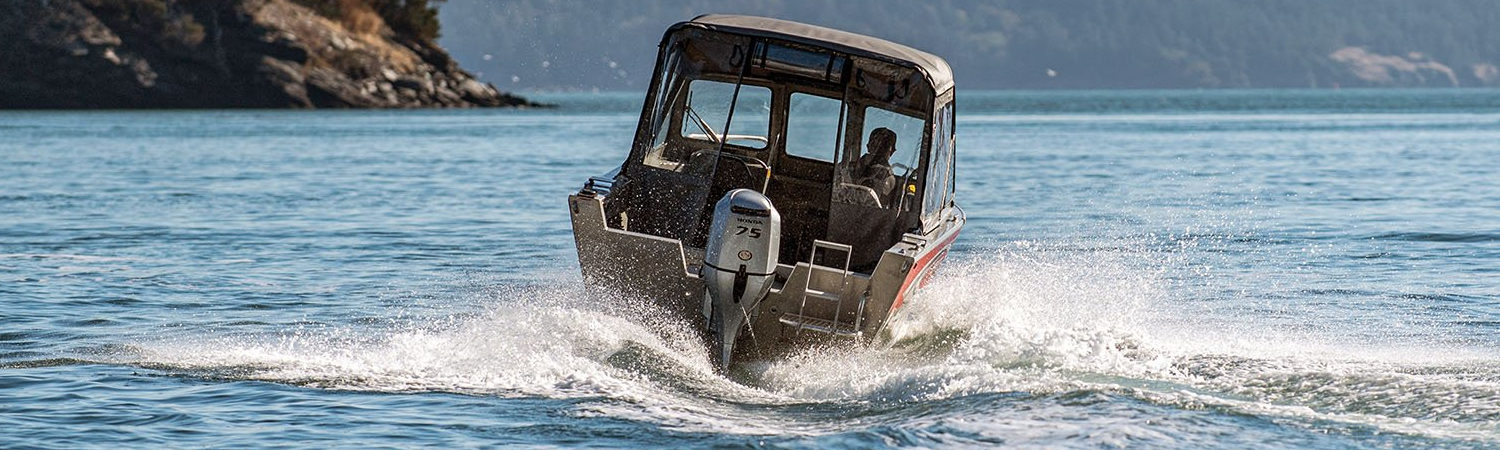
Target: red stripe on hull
x,y
924,267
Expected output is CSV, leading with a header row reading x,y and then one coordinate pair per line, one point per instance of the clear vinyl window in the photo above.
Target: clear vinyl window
x,y
890,148
707,110
940,178
812,126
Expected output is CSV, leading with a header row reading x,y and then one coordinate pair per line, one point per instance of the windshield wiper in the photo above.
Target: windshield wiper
x,y
703,125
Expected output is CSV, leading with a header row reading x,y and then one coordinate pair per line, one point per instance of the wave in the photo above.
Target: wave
x,y
64,256
1438,237
1020,320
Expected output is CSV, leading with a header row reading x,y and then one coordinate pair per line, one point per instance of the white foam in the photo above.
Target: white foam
x,y
1036,320
545,343
1022,318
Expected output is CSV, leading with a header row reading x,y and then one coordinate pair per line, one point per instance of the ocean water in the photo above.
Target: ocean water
x,y
1235,269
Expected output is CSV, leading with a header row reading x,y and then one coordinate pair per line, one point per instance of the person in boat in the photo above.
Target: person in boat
x,y
873,169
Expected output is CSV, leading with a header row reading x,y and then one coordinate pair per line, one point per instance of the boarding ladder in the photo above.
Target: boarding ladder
x,y
804,319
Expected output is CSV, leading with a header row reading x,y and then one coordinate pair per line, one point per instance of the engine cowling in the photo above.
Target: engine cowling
x,y
739,264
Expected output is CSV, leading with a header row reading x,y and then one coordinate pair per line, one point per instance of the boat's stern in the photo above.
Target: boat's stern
x,y
783,305
622,263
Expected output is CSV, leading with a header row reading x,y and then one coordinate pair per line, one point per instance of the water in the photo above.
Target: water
x,y
1221,268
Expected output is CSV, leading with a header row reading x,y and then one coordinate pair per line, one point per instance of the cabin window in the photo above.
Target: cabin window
x,y
812,126
894,185
940,177
707,110
806,63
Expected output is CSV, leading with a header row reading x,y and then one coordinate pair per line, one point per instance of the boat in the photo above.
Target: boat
x,y
788,185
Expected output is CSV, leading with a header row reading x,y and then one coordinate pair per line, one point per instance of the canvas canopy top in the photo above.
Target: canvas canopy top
x,y
934,69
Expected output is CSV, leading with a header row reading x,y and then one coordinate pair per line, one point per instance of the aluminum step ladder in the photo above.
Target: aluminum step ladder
x,y
804,320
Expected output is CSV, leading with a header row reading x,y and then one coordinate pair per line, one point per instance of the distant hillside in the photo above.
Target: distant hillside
x,y
609,44
230,54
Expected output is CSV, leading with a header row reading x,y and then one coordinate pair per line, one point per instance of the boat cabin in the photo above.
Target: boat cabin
x,y
849,136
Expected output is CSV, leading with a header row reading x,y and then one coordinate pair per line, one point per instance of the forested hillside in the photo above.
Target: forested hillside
x,y
609,44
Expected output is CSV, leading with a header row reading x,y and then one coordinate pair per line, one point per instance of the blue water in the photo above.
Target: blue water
x,y
1217,268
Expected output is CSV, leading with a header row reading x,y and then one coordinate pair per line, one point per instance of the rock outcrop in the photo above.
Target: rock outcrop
x,y
222,54
1412,69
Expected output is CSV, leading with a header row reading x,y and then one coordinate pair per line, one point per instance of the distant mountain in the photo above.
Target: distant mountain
x,y
1032,44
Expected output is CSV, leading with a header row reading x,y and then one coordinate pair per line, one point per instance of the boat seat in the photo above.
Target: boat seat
x,y
856,194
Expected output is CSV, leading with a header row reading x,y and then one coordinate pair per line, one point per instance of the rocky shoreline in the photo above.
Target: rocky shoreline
x,y
112,54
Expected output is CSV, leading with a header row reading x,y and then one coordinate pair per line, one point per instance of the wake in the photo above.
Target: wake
x,y
1022,318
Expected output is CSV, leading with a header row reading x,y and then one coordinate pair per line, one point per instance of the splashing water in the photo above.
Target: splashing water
x,y
1022,320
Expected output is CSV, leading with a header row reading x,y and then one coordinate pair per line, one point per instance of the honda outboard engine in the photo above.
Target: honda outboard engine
x,y
739,265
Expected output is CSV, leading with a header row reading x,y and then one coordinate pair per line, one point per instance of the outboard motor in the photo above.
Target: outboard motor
x,y
739,265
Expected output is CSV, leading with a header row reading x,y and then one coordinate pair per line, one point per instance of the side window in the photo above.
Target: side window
x,y
812,126
708,107
940,177
890,149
